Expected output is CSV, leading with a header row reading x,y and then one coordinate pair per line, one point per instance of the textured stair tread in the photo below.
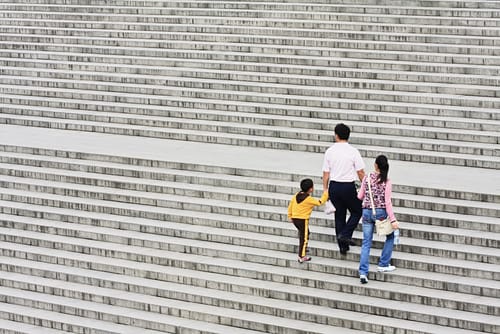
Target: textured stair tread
x,y
417,80
213,175
351,64
255,22
288,306
492,269
104,325
222,191
231,234
138,15
238,102
226,199
271,32
323,7
315,82
282,189
250,84
417,174
255,268
381,116
257,224
206,278
177,40
300,145
197,309
271,72
19,327
259,237
301,125
484,59
58,317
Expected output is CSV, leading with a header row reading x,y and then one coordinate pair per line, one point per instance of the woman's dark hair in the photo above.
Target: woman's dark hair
x,y
383,166
342,131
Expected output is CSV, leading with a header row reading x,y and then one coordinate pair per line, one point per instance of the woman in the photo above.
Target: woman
x,y
382,191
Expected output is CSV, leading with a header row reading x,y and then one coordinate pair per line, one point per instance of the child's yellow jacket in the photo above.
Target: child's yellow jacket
x,y
302,204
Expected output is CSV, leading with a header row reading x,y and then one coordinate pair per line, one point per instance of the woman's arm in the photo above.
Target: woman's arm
x,y
388,200
362,190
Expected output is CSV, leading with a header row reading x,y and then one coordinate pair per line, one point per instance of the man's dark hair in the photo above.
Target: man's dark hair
x,y
306,184
342,131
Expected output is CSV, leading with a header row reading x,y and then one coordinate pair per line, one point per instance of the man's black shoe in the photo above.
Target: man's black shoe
x,y
352,242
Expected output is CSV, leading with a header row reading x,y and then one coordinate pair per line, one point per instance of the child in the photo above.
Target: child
x,y
299,211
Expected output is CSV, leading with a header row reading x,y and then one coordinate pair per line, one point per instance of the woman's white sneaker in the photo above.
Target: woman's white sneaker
x,y
386,269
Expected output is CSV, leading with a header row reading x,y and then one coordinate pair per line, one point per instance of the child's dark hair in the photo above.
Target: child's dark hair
x,y
383,166
306,184
342,131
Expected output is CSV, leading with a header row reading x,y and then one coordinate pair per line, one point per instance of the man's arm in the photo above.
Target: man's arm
x,y
326,180
361,174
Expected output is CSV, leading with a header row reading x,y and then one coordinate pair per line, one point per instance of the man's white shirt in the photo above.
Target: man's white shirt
x,y
343,161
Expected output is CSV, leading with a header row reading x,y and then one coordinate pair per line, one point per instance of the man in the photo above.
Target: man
x,y
341,166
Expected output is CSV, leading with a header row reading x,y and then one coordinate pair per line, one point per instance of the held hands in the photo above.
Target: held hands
x,y
395,224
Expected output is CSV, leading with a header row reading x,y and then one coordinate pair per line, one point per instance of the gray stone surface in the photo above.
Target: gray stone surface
x,y
148,150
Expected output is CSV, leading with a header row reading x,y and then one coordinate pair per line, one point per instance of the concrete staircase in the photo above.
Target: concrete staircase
x,y
96,239
418,80
121,242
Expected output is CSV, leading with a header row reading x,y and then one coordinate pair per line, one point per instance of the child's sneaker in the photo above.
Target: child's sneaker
x,y
386,269
304,259
363,279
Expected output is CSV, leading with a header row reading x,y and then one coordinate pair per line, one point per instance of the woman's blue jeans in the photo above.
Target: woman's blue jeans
x,y
368,229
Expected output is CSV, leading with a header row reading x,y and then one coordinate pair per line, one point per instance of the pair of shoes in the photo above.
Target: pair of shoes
x,y
304,259
363,279
386,269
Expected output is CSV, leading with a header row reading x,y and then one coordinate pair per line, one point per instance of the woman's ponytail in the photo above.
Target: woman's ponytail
x,y
383,166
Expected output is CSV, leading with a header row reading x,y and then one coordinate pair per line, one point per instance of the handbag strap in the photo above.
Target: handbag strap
x,y
371,194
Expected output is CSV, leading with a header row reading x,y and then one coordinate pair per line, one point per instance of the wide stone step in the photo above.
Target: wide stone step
x,y
407,126
316,36
370,147
244,71
183,162
31,320
155,307
450,8
166,22
241,42
255,242
369,133
238,80
100,317
167,250
258,92
418,115
248,179
76,13
156,266
322,229
15,327
262,62
290,55
248,71
244,237
178,296
136,281
133,189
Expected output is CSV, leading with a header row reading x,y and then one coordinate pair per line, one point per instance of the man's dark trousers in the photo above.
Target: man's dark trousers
x,y
344,197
